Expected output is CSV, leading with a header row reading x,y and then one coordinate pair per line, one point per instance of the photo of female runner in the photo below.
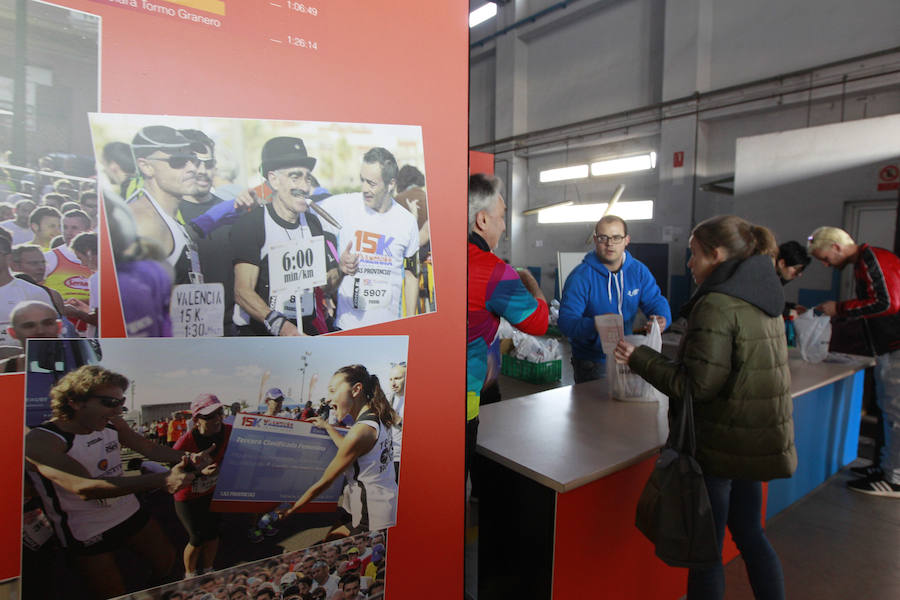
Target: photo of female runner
x,y
192,504
364,455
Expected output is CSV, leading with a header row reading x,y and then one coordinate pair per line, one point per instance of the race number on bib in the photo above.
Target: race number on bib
x,y
297,264
197,310
291,301
371,292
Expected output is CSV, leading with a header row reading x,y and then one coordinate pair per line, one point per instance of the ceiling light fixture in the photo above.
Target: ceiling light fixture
x,y
641,162
564,173
482,14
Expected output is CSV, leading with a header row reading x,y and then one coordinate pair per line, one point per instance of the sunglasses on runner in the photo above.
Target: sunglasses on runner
x,y
110,401
179,161
218,413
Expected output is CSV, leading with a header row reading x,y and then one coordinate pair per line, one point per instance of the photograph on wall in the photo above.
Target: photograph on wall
x,y
48,200
349,569
149,461
224,227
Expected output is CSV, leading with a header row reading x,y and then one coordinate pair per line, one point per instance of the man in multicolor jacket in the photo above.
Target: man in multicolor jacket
x,y
495,290
877,275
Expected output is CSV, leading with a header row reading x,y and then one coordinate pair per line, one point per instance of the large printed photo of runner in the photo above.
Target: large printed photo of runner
x,y
255,227
153,460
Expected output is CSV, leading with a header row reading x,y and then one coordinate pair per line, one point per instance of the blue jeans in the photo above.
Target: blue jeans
x,y
887,395
738,504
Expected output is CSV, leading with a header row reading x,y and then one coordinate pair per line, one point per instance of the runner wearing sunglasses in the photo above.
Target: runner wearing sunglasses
x,y
74,461
169,170
192,503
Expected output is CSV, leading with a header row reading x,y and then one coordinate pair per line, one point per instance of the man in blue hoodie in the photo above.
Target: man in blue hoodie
x,y
608,280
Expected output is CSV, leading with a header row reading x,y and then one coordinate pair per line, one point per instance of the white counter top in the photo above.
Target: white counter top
x,y
569,436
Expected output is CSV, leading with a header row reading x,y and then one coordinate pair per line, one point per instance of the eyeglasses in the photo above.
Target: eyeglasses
x,y
110,401
218,413
179,161
209,163
609,239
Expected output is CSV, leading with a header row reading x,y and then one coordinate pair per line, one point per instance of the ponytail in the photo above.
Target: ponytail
x,y
374,395
739,238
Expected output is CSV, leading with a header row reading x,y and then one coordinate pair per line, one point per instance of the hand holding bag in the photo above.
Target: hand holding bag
x,y
674,511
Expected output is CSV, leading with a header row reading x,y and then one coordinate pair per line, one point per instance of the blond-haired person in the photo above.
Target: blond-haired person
x,y
877,275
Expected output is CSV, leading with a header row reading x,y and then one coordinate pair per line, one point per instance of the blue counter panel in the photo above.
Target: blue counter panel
x,y
826,433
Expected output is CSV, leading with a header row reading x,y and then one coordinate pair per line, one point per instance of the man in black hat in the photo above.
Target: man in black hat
x,y
285,231
164,159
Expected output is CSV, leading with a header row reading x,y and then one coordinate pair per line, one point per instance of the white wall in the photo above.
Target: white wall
x,y
795,181
577,77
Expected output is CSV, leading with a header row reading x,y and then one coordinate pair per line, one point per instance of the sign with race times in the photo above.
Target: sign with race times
x,y
297,264
198,310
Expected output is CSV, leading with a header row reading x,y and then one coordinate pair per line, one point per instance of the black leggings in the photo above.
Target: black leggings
x,y
201,524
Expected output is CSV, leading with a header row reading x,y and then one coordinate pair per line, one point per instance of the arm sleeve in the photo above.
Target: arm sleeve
x,y
572,322
707,357
652,301
506,296
878,299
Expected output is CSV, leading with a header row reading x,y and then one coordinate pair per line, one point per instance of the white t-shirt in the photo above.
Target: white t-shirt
x,y
397,430
371,487
382,240
11,294
21,235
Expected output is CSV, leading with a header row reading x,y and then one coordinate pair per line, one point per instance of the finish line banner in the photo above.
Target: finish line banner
x,y
271,459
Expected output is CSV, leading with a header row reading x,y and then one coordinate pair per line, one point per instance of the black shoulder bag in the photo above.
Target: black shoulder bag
x,y
674,511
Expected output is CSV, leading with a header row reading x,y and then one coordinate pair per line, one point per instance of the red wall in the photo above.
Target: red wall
x,y
376,62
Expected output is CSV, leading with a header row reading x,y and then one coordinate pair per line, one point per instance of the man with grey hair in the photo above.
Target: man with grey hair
x,y
877,275
495,290
379,244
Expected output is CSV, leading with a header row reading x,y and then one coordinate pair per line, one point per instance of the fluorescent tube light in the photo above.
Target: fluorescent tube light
x,y
639,210
641,162
564,173
482,14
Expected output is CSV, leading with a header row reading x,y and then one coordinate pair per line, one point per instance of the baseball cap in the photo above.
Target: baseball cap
x,y
353,550
205,404
274,394
283,152
159,138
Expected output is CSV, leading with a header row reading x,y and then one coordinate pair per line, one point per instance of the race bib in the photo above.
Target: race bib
x,y
371,292
201,485
286,302
36,528
297,264
198,310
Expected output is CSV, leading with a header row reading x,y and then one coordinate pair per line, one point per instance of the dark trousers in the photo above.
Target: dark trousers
x,y
738,504
587,370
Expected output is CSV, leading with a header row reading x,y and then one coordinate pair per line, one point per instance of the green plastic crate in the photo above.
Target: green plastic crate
x,y
546,372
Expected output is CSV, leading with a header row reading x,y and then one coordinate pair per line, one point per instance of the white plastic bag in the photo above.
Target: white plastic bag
x,y
813,336
628,386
